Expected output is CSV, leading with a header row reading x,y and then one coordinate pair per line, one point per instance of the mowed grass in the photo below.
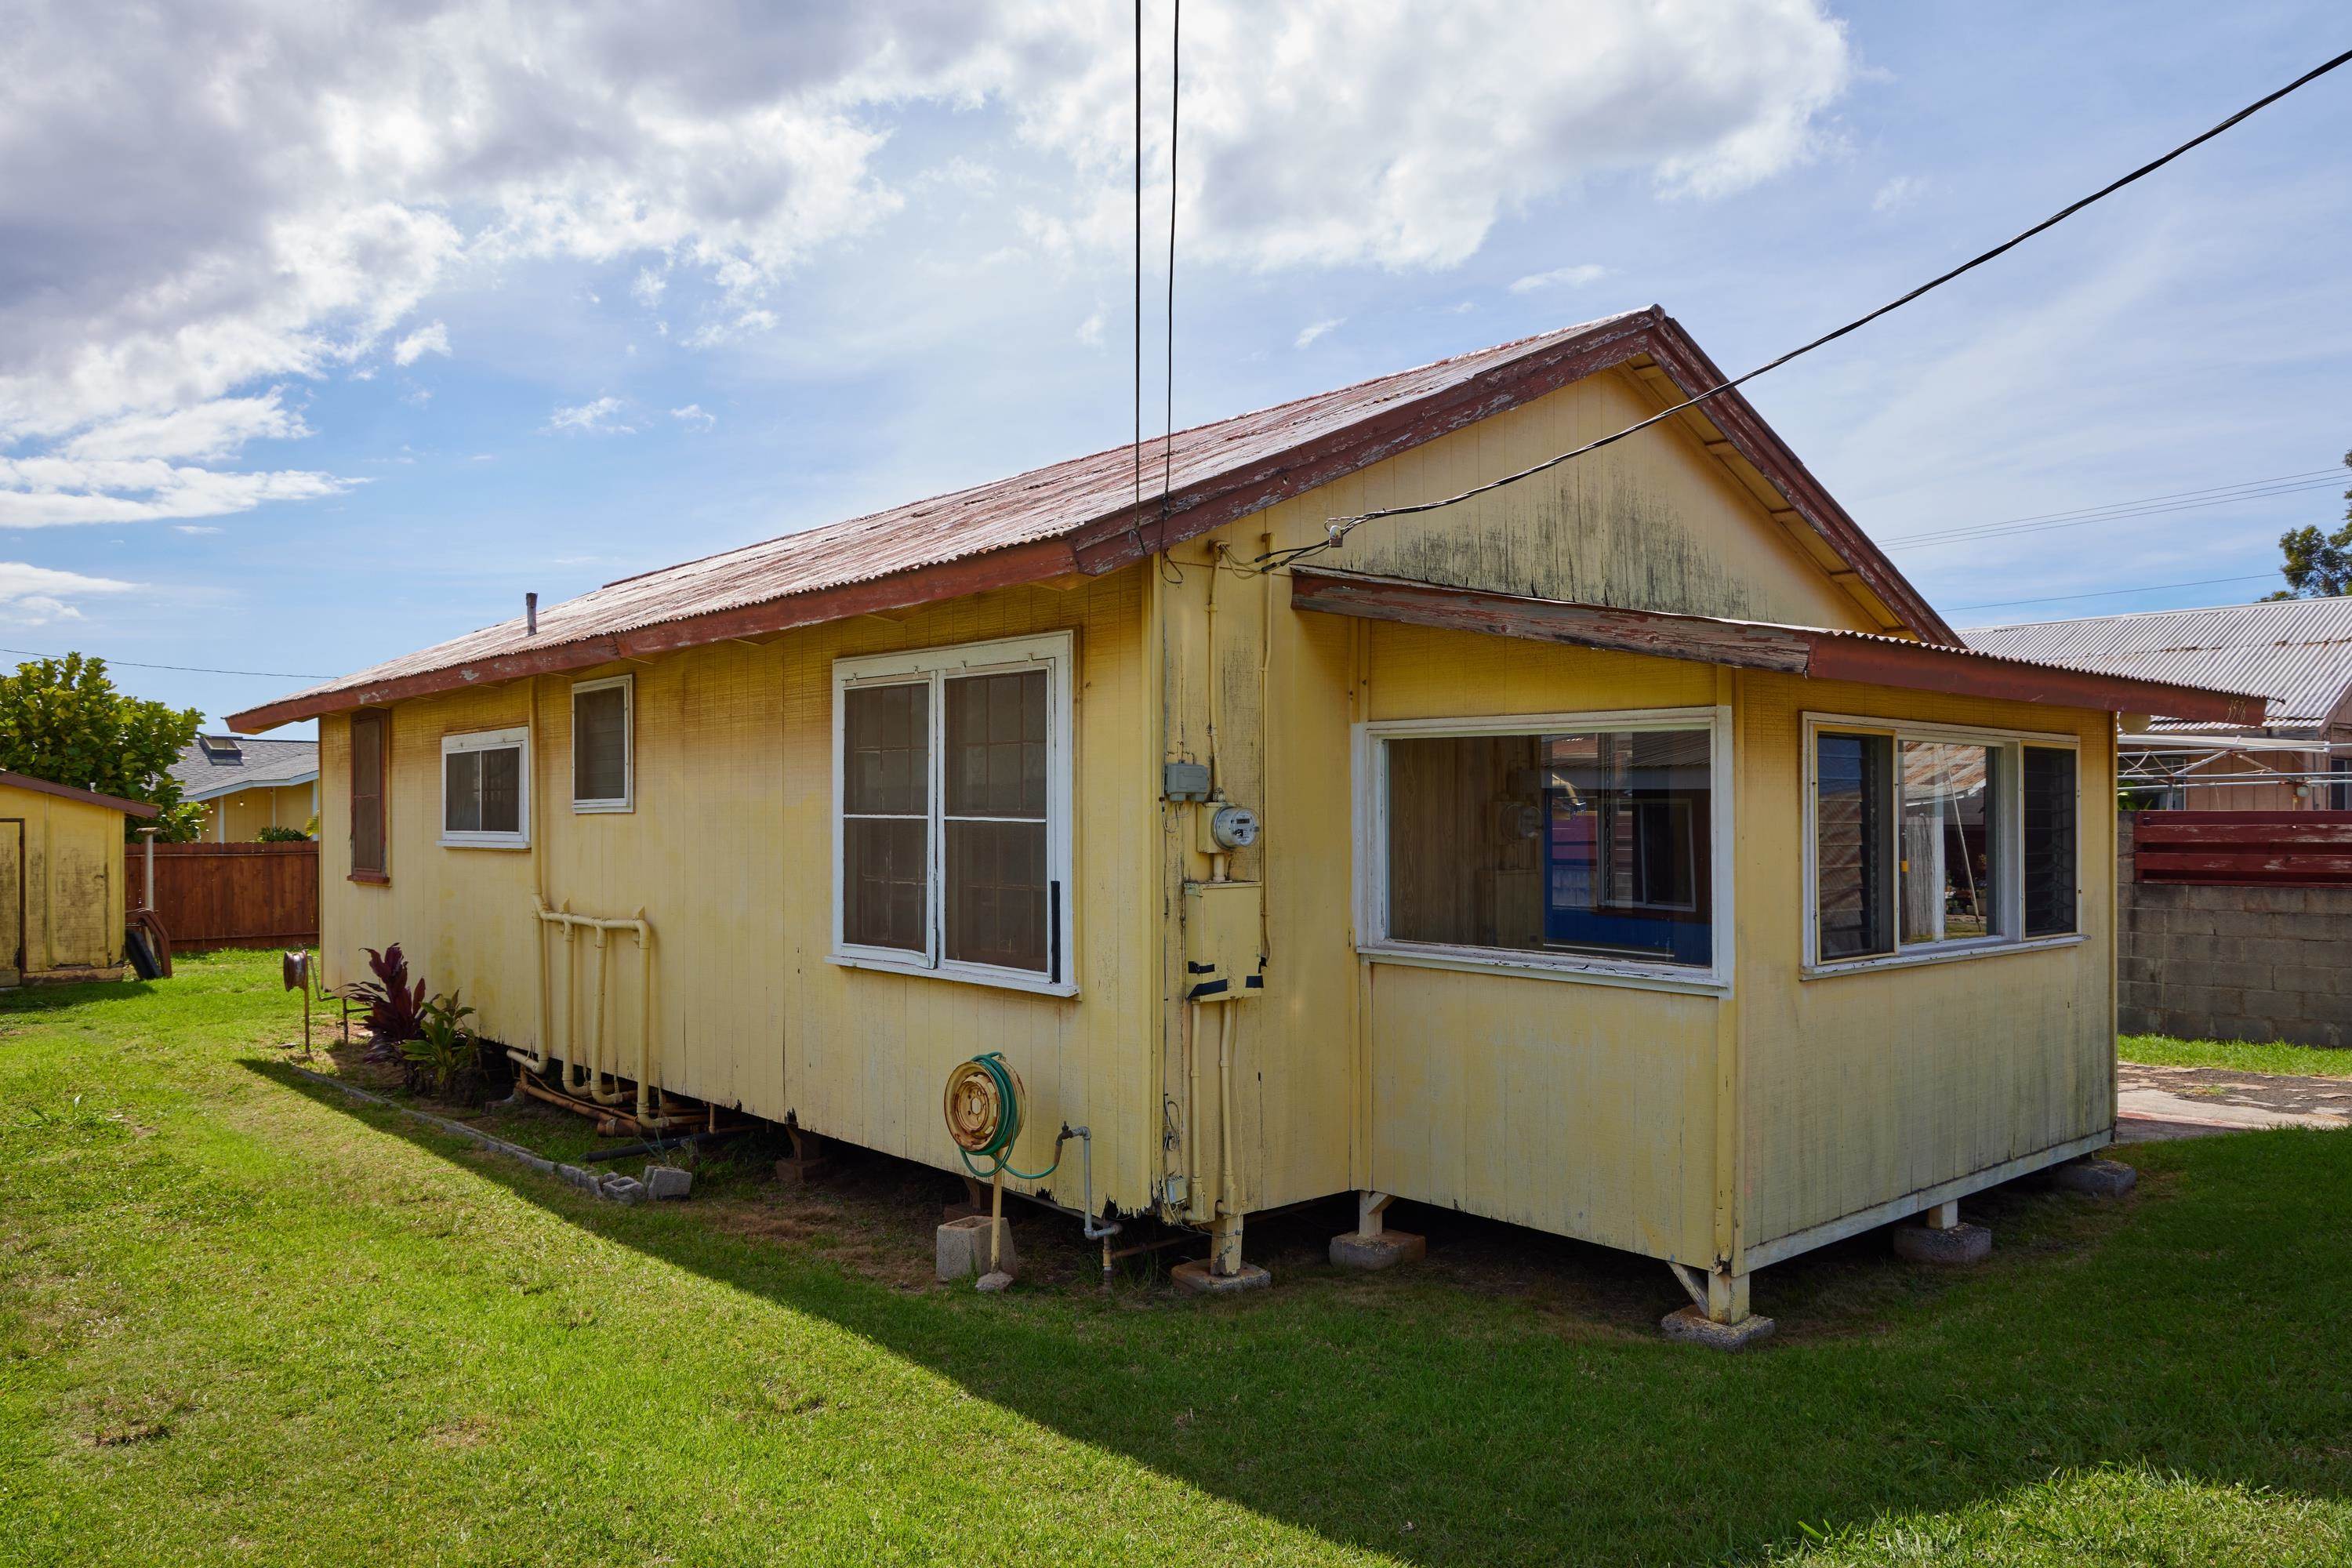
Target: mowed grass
x,y
2236,1055
243,1321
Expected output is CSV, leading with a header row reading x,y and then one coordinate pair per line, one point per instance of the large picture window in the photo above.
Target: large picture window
x,y
952,784
1925,841
485,797
1578,845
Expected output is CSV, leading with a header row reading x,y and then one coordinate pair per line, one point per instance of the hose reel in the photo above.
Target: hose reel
x,y
983,1109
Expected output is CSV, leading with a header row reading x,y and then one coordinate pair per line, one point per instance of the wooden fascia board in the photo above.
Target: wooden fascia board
x,y
1821,655
1688,367
1746,644
928,584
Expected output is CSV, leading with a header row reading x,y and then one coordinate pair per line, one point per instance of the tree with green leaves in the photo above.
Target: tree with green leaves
x,y
62,720
2318,565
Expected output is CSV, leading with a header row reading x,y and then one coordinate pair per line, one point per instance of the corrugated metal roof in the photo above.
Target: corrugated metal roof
x,y
1085,508
2296,652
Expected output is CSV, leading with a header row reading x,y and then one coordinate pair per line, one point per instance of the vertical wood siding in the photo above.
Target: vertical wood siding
x,y
73,879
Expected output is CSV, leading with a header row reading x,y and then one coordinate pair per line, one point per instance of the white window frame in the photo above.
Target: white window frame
x,y
2009,816
1056,653
1372,882
489,740
627,801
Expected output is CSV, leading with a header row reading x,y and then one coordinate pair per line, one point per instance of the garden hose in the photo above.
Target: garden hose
x,y
983,1117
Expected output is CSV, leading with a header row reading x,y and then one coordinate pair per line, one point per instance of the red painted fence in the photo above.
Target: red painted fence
x,y
231,895
2245,848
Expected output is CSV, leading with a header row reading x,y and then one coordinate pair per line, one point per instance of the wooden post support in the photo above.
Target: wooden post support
x,y
995,1216
1369,1207
1225,1246
1726,1296
1943,1217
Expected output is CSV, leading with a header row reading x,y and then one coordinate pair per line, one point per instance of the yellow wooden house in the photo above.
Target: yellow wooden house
x,y
245,784
1628,853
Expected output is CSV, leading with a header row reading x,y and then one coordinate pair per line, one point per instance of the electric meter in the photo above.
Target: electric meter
x,y
1233,827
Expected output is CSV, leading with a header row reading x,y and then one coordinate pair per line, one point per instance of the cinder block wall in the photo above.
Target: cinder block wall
x,y
2232,963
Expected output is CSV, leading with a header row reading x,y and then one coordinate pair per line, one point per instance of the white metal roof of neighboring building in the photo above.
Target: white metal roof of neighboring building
x,y
2296,652
216,765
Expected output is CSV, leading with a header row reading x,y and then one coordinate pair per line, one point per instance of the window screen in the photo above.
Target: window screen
x,y
1854,888
995,820
886,816
482,789
1948,820
369,730
600,744
1594,842
2050,868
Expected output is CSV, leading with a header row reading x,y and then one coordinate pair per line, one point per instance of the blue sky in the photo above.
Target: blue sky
x,y
489,317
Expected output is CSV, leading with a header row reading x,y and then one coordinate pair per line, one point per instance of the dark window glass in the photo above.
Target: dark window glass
x,y
1594,842
886,816
461,792
2339,792
995,820
1851,877
502,790
367,791
600,744
2050,841
1947,837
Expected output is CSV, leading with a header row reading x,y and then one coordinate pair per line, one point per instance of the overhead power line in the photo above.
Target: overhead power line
x,y
2119,593
182,669
1339,528
2153,506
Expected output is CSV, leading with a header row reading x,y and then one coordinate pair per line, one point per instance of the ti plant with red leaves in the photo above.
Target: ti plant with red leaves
x,y
395,1008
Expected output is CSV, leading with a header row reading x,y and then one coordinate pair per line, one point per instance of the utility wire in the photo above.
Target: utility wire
x,y
1339,528
2002,531
2143,500
182,669
2117,592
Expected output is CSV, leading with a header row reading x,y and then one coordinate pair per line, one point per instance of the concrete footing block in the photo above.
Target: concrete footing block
x,y
668,1182
2095,1178
962,1248
999,1280
1383,1250
1960,1244
1194,1278
623,1190
1692,1326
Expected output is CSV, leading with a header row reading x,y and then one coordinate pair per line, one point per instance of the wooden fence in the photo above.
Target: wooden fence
x,y
2244,848
232,895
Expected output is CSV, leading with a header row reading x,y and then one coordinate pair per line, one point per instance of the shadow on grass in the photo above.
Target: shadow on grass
x,y
47,997
1511,1398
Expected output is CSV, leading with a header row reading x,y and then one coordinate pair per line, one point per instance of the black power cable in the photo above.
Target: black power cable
x,y
1339,528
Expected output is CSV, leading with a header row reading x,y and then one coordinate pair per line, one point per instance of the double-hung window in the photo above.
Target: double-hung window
x,y
485,790
1586,845
1925,841
951,791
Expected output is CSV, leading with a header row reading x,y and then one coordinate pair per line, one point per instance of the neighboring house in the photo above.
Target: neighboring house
x,y
2296,652
62,903
248,784
1638,857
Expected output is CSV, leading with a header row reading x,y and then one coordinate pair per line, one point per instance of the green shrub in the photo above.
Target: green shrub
x,y
273,834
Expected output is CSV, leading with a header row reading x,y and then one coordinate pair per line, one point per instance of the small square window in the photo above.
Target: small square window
x,y
485,793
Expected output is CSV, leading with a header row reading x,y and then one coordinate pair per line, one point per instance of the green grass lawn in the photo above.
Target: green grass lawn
x,y
2235,1055
242,1320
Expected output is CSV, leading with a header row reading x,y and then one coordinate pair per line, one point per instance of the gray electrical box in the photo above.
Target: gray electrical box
x,y
1184,781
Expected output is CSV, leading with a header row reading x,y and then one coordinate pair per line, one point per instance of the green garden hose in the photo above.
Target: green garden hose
x,y
983,1116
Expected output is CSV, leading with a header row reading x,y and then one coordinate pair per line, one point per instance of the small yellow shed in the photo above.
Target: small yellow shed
x,y
1629,852
62,898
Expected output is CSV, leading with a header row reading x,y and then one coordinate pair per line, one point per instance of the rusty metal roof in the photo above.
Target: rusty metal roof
x,y
1082,515
2296,652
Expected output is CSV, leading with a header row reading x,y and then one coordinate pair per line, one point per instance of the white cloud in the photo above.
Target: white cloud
x,y
694,417
591,418
647,289
35,595
1309,333
45,493
432,340
1900,191
1560,278
194,528
1091,330
203,431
